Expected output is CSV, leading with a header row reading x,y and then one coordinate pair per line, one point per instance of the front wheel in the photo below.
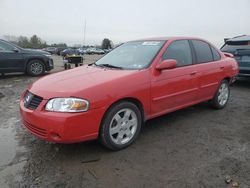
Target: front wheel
x,y
222,95
121,126
35,68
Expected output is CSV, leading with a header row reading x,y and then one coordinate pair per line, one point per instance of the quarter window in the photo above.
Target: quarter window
x,y
203,51
180,51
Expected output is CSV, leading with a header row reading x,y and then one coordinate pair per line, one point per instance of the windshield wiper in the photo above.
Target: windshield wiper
x,y
109,66
92,64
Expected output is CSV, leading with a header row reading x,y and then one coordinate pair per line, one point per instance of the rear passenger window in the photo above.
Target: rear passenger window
x,y
216,54
203,51
180,51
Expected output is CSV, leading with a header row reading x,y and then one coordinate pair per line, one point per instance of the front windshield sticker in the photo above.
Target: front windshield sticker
x,y
151,43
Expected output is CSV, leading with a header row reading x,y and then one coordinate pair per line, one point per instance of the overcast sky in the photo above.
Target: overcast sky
x,y
63,21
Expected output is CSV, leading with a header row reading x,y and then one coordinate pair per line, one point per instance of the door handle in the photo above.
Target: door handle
x,y
193,73
222,67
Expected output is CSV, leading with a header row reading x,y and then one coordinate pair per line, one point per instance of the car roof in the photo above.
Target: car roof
x,y
240,38
167,38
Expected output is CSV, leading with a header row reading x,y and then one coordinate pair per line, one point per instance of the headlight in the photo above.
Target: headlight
x,y
67,105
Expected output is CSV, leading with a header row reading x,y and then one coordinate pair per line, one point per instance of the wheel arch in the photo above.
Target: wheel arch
x,y
227,78
133,100
34,58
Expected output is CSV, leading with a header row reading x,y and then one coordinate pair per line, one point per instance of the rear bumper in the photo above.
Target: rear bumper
x,y
61,127
244,71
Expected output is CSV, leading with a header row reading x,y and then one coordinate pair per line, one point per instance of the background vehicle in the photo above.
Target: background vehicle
x,y
60,49
51,50
69,51
94,51
99,51
139,80
16,59
240,48
107,50
72,59
90,51
81,51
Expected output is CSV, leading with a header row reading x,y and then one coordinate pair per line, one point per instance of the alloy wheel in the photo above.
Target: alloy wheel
x,y
36,68
223,94
123,126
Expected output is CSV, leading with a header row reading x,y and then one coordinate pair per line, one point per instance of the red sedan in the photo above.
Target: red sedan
x,y
137,81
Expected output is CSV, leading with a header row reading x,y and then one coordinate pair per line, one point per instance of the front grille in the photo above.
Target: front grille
x,y
35,130
32,101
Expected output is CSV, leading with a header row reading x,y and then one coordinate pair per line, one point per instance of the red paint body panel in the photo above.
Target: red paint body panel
x,y
159,92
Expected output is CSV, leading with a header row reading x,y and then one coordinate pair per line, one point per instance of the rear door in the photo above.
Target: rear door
x,y
11,59
209,68
173,89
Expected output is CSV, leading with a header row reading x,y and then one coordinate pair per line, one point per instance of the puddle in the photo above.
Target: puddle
x,y
1,95
11,174
10,164
8,145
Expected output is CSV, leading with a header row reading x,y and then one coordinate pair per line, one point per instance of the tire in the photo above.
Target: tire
x,y
119,131
221,97
35,67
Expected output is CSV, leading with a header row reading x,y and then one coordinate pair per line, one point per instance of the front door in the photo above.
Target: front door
x,y
172,89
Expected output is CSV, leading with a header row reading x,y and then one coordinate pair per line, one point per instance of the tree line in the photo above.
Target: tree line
x,y
37,43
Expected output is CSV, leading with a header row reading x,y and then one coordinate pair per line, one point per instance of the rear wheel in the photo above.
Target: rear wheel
x,y
121,126
35,67
222,95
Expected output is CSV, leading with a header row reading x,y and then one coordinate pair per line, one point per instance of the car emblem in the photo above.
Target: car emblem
x,y
27,98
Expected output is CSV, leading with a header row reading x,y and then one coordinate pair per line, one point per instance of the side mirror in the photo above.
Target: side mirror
x,y
15,50
167,64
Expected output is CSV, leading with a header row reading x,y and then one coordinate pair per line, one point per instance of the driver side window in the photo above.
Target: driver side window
x,y
180,51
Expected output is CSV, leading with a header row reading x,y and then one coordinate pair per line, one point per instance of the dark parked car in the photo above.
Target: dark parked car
x,y
240,48
51,50
69,51
16,59
60,49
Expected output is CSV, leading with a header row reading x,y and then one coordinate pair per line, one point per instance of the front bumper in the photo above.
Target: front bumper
x,y
61,127
50,64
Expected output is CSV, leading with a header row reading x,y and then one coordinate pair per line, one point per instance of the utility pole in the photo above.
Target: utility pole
x,y
84,34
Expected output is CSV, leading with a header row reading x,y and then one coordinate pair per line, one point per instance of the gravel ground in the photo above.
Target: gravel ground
x,y
193,147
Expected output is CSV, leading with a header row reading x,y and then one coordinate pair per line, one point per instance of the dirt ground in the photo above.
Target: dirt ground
x,y
194,147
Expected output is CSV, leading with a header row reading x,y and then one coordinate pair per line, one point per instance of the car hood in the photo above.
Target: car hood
x,y
38,52
78,82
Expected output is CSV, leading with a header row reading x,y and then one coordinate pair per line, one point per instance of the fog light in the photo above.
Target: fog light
x,y
55,136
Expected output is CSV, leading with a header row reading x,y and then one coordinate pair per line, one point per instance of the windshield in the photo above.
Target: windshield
x,y
132,55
